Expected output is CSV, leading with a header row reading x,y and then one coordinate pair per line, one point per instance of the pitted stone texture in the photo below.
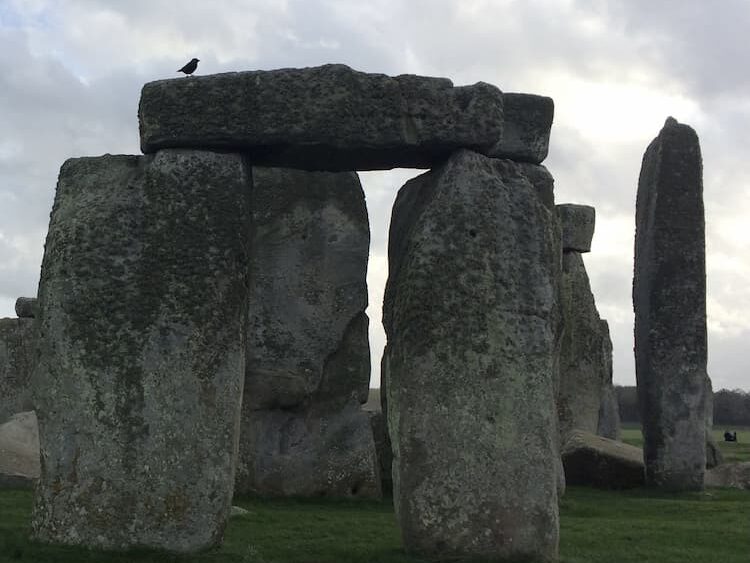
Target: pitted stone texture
x,y
307,343
308,453
141,329
17,360
471,317
586,351
669,298
19,451
596,461
26,307
334,118
578,223
528,120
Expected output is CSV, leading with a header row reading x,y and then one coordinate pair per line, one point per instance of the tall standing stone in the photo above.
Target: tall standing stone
x,y
585,399
471,317
17,359
142,307
669,298
308,357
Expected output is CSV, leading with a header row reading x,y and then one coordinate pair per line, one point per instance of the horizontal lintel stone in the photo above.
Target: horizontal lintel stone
x,y
334,118
577,226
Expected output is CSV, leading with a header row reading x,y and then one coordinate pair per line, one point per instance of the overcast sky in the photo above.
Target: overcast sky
x,y
71,73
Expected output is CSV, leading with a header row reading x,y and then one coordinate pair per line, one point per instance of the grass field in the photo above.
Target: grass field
x,y
596,527
732,451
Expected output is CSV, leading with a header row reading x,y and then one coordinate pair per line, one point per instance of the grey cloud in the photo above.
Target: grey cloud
x,y
70,77
703,44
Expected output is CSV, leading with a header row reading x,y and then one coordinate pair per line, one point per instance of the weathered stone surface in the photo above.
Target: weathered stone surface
x,y
528,120
309,453
471,317
609,415
19,451
334,118
669,298
26,307
596,461
17,359
382,449
386,459
585,354
308,356
609,409
141,327
729,475
577,226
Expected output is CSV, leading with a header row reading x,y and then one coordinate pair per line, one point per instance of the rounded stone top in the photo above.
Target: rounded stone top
x,y
26,307
577,226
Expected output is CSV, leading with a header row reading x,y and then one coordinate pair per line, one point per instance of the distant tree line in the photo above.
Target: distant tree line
x,y
731,407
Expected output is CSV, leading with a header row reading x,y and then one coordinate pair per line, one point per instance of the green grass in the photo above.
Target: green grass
x,y
596,527
732,451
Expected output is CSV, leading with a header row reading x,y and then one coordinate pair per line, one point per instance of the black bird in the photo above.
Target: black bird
x,y
190,67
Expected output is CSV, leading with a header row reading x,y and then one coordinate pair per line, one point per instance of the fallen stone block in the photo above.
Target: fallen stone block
x,y
596,461
729,475
334,118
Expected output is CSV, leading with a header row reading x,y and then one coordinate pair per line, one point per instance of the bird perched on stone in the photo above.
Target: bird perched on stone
x,y
190,67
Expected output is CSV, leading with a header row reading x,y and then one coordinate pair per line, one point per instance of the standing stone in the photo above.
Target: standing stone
x,y
308,356
334,118
582,362
17,359
142,305
669,298
597,461
585,398
471,317
609,409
